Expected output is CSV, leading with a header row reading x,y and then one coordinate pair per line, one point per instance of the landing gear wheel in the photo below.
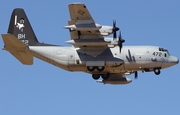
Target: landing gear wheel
x,y
157,71
95,76
100,68
105,76
90,68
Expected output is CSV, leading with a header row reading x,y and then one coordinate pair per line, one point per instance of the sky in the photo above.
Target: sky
x,y
43,89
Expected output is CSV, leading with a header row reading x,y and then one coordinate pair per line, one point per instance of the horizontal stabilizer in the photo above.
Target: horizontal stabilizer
x,y
24,58
12,43
17,48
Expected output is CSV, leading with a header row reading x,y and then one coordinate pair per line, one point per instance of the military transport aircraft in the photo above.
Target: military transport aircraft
x,y
91,52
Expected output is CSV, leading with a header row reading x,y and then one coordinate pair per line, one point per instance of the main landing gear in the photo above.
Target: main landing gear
x,y
103,76
99,69
92,68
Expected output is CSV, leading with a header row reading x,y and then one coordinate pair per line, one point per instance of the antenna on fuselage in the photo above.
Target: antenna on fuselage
x,y
136,75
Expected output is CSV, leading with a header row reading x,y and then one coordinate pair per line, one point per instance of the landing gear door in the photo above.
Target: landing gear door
x,y
95,63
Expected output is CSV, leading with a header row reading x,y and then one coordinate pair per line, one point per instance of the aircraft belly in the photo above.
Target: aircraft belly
x,y
78,61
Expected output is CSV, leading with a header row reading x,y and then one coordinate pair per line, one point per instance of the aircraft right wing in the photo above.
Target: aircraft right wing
x,y
81,24
84,32
79,13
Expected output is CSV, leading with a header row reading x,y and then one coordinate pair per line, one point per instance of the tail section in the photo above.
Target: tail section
x,y
20,27
20,36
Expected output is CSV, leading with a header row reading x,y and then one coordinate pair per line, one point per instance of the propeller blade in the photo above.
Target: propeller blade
x,y
120,41
120,47
114,29
114,23
120,37
136,75
114,35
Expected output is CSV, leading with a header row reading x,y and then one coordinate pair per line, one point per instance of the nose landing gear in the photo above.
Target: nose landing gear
x,y
157,71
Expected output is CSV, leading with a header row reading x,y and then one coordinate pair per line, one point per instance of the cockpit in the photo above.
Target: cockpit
x,y
166,53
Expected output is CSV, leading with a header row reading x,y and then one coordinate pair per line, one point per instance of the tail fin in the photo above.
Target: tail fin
x,y
20,27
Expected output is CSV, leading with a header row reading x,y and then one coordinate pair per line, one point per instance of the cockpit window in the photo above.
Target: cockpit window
x,y
164,50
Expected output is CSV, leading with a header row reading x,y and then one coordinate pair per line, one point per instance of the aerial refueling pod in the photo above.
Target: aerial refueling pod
x,y
116,82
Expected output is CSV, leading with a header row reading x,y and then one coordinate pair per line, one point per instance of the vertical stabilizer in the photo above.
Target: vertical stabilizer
x,y
20,27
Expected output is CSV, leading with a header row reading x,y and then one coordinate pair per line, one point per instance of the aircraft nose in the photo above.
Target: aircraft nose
x,y
173,59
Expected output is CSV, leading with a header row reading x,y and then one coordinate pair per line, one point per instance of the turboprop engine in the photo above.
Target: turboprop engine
x,y
93,27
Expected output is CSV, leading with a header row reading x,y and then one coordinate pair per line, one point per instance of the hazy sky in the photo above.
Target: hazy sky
x,y
43,89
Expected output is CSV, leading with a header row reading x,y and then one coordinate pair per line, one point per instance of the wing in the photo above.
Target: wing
x,y
84,31
82,25
79,13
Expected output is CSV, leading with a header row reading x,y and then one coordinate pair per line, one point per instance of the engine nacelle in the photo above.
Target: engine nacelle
x,y
106,30
103,29
116,82
84,27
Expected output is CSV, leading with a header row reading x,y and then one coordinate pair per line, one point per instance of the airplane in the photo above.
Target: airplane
x,y
106,59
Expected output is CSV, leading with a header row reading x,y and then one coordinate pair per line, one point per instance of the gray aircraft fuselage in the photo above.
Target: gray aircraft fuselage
x,y
132,58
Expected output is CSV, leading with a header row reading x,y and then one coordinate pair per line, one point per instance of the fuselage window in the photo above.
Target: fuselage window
x,y
165,55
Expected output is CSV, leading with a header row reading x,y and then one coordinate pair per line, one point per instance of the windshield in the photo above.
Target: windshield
x,y
164,50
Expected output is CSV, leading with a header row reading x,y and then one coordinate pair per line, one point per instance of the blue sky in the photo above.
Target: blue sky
x,y
45,89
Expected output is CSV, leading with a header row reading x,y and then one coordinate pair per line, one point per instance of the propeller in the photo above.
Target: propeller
x,y
114,29
136,75
120,42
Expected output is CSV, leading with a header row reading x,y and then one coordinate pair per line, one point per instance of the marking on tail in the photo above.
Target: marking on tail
x,y
15,21
19,25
